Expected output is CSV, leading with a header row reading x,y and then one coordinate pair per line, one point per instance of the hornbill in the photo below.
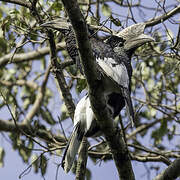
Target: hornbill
x,y
113,57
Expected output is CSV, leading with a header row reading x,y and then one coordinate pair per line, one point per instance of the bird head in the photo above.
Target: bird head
x,y
133,37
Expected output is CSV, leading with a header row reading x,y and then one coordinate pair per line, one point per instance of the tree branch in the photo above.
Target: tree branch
x,y
19,2
136,157
160,19
9,126
142,127
39,99
20,82
171,173
148,158
32,55
60,76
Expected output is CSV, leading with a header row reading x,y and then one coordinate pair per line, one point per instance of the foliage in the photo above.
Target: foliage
x,y
155,83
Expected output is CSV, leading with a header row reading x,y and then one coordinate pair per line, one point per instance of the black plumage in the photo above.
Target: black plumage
x,y
71,46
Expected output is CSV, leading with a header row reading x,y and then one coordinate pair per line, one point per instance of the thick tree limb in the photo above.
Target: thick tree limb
x,y
21,82
32,55
171,173
114,139
9,126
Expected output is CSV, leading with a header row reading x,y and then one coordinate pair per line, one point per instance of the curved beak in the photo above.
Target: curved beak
x,y
134,36
138,41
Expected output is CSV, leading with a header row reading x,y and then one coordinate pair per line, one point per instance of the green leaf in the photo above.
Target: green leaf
x,y
43,164
26,103
169,35
57,6
34,160
163,46
153,111
47,116
15,140
116,21
2,153
1,13
171,132
3,45
23,154
14,11
171,65
106,10
25,149
150,84
64,113
81,85
158,36
59,152
91,20
158,134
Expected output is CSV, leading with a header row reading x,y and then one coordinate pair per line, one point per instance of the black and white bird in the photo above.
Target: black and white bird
x,y
113,58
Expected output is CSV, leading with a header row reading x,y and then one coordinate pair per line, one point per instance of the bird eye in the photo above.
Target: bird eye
x,y
120,44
